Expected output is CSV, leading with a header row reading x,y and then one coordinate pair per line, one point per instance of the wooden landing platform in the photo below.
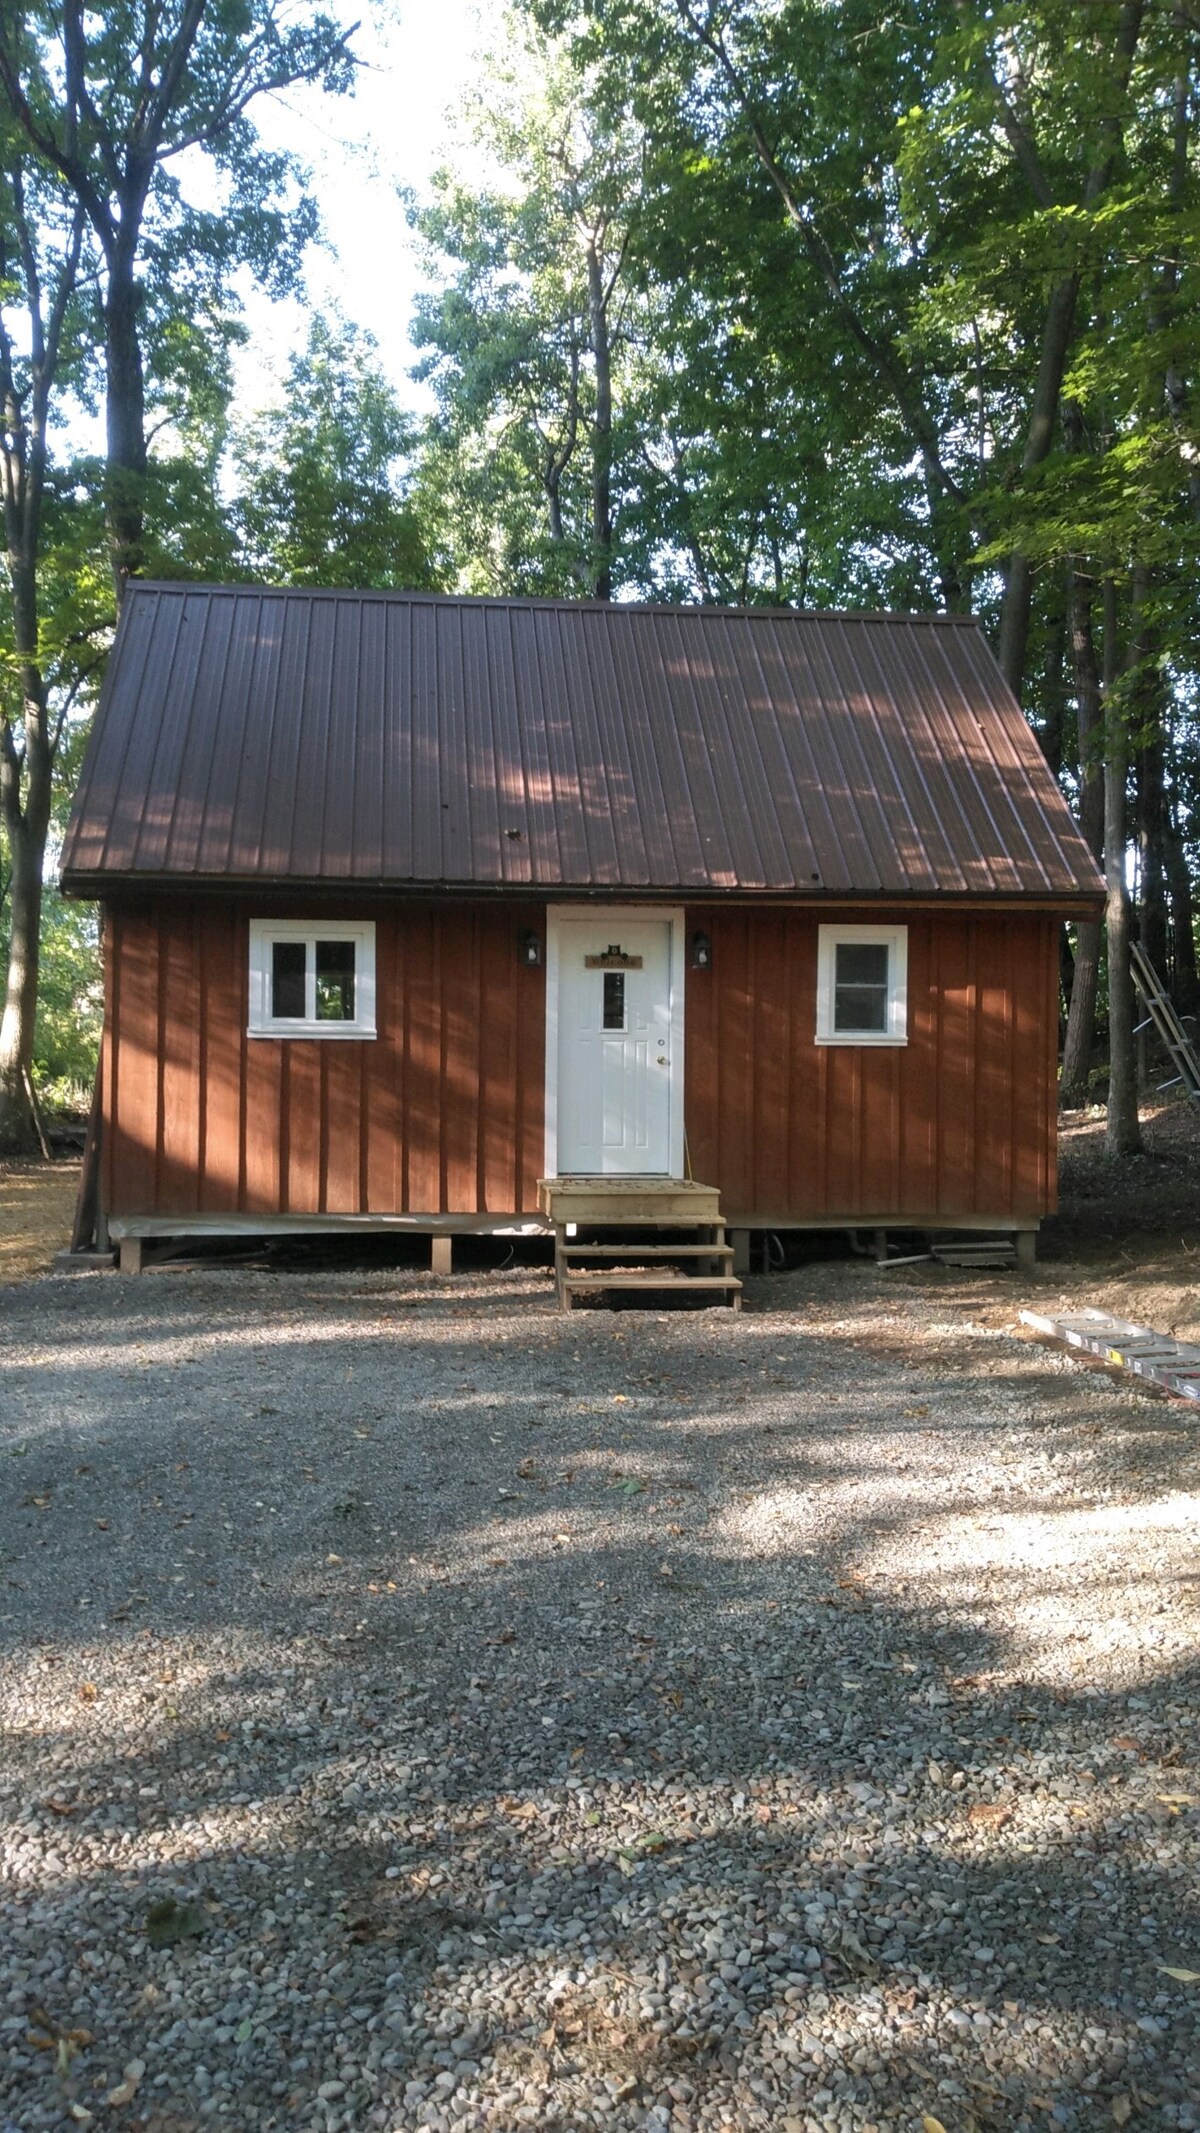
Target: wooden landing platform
x,y
1174,1366
622,1201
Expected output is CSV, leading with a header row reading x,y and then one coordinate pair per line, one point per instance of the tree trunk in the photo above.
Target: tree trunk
x,y
1043,418
1152,831
17,1129
602,427
26,828
1183,934
1066,968
1123,1133
1081,1020
1054,681
125,471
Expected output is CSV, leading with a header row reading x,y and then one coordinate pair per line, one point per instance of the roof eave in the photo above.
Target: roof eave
x,y
98,886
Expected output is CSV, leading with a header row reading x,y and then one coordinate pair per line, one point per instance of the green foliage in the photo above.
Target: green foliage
x,y
70,1001
321,495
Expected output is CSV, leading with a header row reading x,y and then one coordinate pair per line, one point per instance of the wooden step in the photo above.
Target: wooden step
x,y
684,1282
572,1250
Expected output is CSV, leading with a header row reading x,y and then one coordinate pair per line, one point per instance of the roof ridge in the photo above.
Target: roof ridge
x,y
694,610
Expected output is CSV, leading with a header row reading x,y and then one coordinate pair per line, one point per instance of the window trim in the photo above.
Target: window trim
x,y
264,932
895,939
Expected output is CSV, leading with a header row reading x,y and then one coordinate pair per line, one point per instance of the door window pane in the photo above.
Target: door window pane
x,y
287,981
860,987
335,981
614,999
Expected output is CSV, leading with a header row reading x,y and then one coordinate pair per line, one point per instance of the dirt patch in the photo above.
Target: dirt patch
x,y
1127,1236
37,1207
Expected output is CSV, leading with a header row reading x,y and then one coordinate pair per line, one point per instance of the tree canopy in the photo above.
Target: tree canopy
x,y
722,300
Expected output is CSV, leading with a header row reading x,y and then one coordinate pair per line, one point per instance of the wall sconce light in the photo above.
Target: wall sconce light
x,y
531,950
701,952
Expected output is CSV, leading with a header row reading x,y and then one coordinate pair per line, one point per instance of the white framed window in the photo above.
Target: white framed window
x,y
311,980
862,984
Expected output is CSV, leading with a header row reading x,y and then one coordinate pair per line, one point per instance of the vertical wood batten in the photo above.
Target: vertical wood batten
x,y
224,937
178,1038
137,1076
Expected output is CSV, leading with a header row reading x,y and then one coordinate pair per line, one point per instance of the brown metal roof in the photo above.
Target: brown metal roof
x,y
401,739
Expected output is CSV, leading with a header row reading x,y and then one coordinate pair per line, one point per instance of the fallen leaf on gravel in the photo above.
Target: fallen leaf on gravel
x,y
1122,2106
1184,1977
63,1807
127,2089
932,2125
87,1692
48,2035
168,1922
989,1814
1127,1742
1166,1799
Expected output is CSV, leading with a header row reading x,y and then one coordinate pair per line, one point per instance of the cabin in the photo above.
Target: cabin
x,y
612,921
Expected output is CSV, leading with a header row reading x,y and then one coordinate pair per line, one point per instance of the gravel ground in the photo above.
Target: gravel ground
x,y
424,1710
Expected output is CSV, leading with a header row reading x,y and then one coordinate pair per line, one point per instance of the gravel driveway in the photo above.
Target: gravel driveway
x,y
424,1710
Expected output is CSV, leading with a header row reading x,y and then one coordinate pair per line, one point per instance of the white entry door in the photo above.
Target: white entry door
x,y
616,1072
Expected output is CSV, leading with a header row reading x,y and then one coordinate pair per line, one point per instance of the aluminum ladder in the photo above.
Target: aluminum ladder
x,y
1162,1015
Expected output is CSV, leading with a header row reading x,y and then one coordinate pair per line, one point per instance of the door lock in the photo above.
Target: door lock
x,y
662,1058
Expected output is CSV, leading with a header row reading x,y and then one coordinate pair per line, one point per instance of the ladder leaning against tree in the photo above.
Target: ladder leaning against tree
x,y
1162,1015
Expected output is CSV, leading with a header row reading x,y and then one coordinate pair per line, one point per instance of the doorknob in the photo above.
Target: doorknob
x,y
662,1058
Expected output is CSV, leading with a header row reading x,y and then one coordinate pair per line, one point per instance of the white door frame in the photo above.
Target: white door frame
x,y
558,918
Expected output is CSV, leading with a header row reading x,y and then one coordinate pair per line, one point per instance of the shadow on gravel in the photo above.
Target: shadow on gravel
x,y
608,1709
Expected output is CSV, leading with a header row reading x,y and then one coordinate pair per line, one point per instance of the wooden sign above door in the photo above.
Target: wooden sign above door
x,y
613,958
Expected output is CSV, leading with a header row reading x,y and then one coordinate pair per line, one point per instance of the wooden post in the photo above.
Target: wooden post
x,y
740,1240
441,1254
1026,1244
130,1255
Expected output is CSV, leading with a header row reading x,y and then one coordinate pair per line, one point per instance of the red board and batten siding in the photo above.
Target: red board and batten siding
x,y
443,1113
960,1120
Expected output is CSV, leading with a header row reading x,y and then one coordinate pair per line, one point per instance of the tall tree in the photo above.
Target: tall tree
x,y
41,248
111,99
525,322
321,475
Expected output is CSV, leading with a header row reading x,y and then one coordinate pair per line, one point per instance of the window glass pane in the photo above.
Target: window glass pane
x,y
614,999
860,993
335,981
287,981
862,963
